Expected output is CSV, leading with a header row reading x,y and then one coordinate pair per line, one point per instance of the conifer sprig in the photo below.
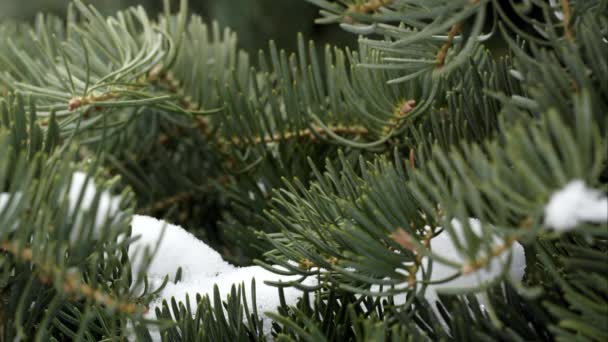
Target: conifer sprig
x,y
346,168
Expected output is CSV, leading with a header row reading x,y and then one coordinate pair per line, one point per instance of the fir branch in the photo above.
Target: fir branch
x,y
73,286
164,78
481,133
311,135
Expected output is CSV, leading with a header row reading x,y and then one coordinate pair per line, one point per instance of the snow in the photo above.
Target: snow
x,y
267,297
575,204
202,268
558,14
8,206
8,202
177,248
81,185
107,209
443,246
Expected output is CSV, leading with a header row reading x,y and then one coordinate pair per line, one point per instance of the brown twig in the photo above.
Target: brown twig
x,y
80,101
160,76
166,203
166,79
369,7
310,134
480,263
443,52
427,244
567,16
72,286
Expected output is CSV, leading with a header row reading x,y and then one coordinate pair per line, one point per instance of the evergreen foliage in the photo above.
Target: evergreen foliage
x,y
334,163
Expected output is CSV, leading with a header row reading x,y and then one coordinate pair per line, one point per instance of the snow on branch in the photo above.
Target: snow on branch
x,y
82,195
202,268
8,203
444,246
575,204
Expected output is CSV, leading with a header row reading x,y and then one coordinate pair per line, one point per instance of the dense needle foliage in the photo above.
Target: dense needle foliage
x,y
333,163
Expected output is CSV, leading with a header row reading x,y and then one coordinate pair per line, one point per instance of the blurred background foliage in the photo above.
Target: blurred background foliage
x,y
255,21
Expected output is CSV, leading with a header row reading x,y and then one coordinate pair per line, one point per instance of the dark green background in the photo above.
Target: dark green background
x,y
256,21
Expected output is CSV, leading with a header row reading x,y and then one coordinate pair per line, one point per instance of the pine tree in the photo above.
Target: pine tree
x,y
397,186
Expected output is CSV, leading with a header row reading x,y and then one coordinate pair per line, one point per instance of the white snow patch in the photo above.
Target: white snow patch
x,y
443,246
267,297
107,209
178,248
8,202
574,204
558,14
202,268
8,205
